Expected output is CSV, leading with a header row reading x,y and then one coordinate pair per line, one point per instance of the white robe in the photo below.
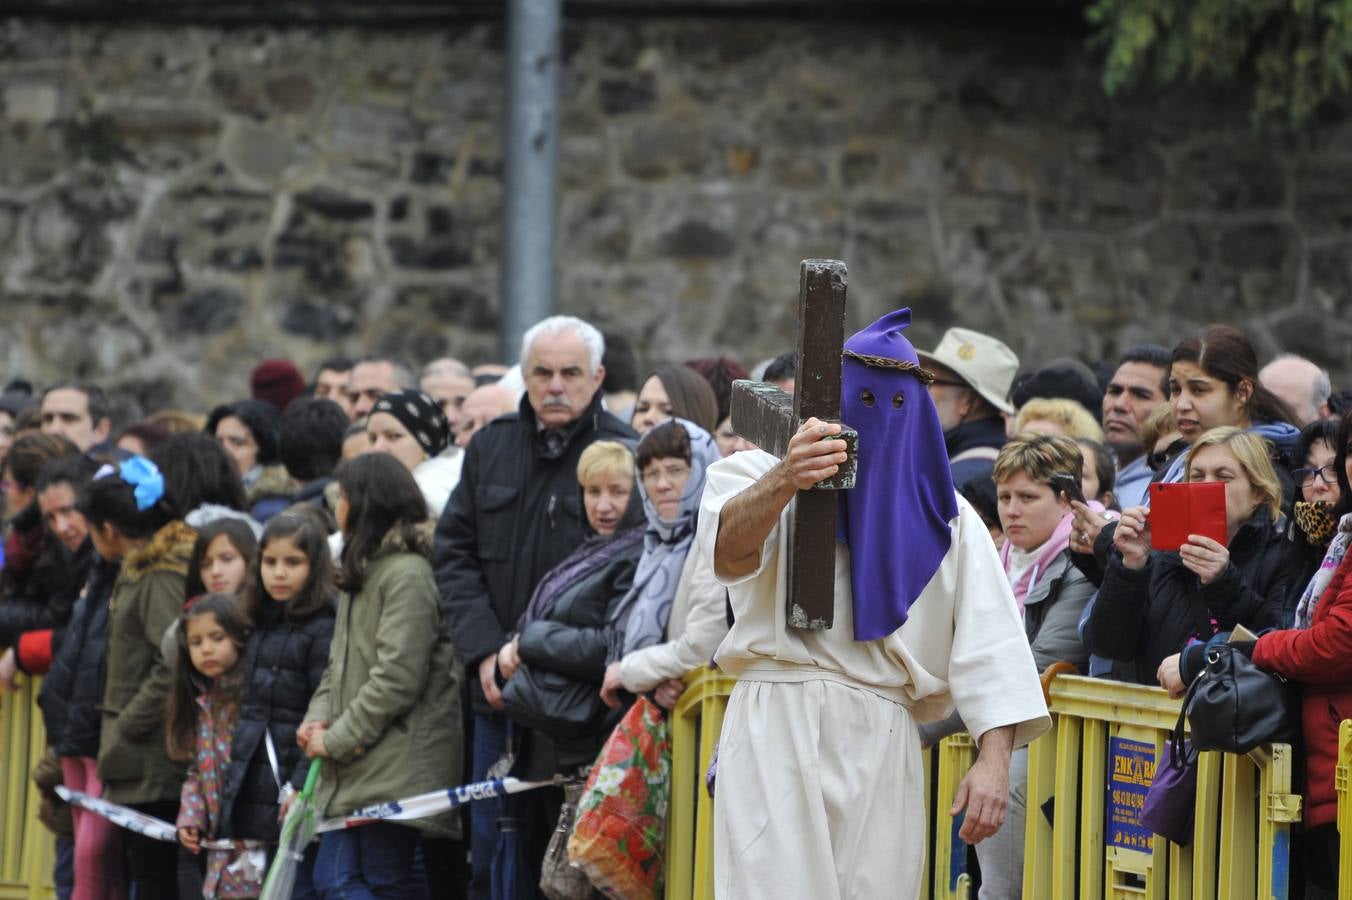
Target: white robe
x,y
819,785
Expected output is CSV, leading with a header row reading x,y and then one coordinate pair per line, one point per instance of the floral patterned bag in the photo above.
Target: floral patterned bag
x,y
620,835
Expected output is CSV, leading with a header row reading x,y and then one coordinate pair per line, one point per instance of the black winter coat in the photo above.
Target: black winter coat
x,y
515,514
282,667
72,692
1143,615
575,640
39,592
1303,560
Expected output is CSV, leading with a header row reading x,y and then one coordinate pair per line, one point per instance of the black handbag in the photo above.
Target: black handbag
x,y
1235,706
559,705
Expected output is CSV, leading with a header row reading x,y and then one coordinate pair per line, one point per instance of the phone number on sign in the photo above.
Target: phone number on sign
x,y
1128,798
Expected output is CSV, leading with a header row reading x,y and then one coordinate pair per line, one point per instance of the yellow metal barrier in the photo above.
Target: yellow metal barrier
x,y
1342,779
1087,781
695,724
1092,771
26,847
948,859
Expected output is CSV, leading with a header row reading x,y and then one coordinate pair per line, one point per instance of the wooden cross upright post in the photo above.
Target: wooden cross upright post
x,y
768,418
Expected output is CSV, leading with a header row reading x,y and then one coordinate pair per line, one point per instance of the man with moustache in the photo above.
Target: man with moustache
x,y
1137,387
515,514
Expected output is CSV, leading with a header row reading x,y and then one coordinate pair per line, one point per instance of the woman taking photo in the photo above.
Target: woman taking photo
x,y
1317,654
1213,383
1151,605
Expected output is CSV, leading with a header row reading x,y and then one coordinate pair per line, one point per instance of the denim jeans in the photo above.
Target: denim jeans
x,y
63,869
490,742
376,860
152,865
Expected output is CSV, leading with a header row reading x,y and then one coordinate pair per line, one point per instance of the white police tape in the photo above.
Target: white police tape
x,y
417,807
433,802
142,824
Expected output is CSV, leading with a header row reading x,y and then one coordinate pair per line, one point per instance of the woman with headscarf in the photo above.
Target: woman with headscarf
x,y
411,427
675,614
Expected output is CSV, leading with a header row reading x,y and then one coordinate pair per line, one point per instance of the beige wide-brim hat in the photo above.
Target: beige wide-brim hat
x,y
980,360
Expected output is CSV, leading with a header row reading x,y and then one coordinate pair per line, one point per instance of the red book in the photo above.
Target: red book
x,y
1178,510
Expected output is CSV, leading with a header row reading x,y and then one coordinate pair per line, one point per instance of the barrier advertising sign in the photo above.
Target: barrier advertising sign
x,y
1131,770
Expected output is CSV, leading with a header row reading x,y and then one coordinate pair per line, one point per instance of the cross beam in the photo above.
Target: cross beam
x,y
768,418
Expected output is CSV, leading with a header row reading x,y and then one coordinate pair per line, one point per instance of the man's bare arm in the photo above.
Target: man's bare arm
x,y
984,792
748,518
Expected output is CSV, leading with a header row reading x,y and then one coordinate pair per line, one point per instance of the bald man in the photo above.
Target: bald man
x,y
448,382
483,405
1303,385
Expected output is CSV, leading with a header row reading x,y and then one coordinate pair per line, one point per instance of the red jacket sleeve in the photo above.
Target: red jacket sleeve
x,y
33,653
1322,653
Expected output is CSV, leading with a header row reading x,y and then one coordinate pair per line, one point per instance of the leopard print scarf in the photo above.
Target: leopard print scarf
x,y
1315,520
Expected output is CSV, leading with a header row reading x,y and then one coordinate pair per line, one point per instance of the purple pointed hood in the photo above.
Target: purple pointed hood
x,y
896,520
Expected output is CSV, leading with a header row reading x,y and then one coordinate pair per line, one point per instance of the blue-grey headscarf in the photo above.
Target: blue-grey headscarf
x,y
647,607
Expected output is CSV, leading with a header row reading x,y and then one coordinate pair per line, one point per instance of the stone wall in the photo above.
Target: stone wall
x,y
178,201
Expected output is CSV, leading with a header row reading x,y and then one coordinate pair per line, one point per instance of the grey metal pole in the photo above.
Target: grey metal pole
x,y
531,155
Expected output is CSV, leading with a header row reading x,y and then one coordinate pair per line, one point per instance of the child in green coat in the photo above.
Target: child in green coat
x,y
386,717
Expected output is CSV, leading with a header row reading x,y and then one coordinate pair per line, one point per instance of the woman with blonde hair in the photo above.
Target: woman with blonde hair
x,y
1057,415
1153,603
563,639
1314,649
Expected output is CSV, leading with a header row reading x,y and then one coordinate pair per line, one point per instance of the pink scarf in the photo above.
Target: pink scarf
x,y
1058,543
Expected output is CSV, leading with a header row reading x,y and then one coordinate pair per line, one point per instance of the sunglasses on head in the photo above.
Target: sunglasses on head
x,y
1157,458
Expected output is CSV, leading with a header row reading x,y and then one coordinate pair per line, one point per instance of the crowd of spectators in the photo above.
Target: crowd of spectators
x,y
441,575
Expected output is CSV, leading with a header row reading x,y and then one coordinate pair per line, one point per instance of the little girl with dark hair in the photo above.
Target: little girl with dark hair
x,y
225,553
290,595
200,725
131,522
386,717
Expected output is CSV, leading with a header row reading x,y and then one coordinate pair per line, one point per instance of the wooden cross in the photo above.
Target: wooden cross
x,y
768,418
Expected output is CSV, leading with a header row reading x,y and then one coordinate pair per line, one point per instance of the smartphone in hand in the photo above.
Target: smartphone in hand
x,y
1069,485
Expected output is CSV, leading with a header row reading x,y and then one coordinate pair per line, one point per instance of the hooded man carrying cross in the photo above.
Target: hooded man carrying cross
x,y
820,788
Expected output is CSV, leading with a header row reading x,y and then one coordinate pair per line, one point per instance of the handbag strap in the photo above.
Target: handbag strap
x,y
1180,756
